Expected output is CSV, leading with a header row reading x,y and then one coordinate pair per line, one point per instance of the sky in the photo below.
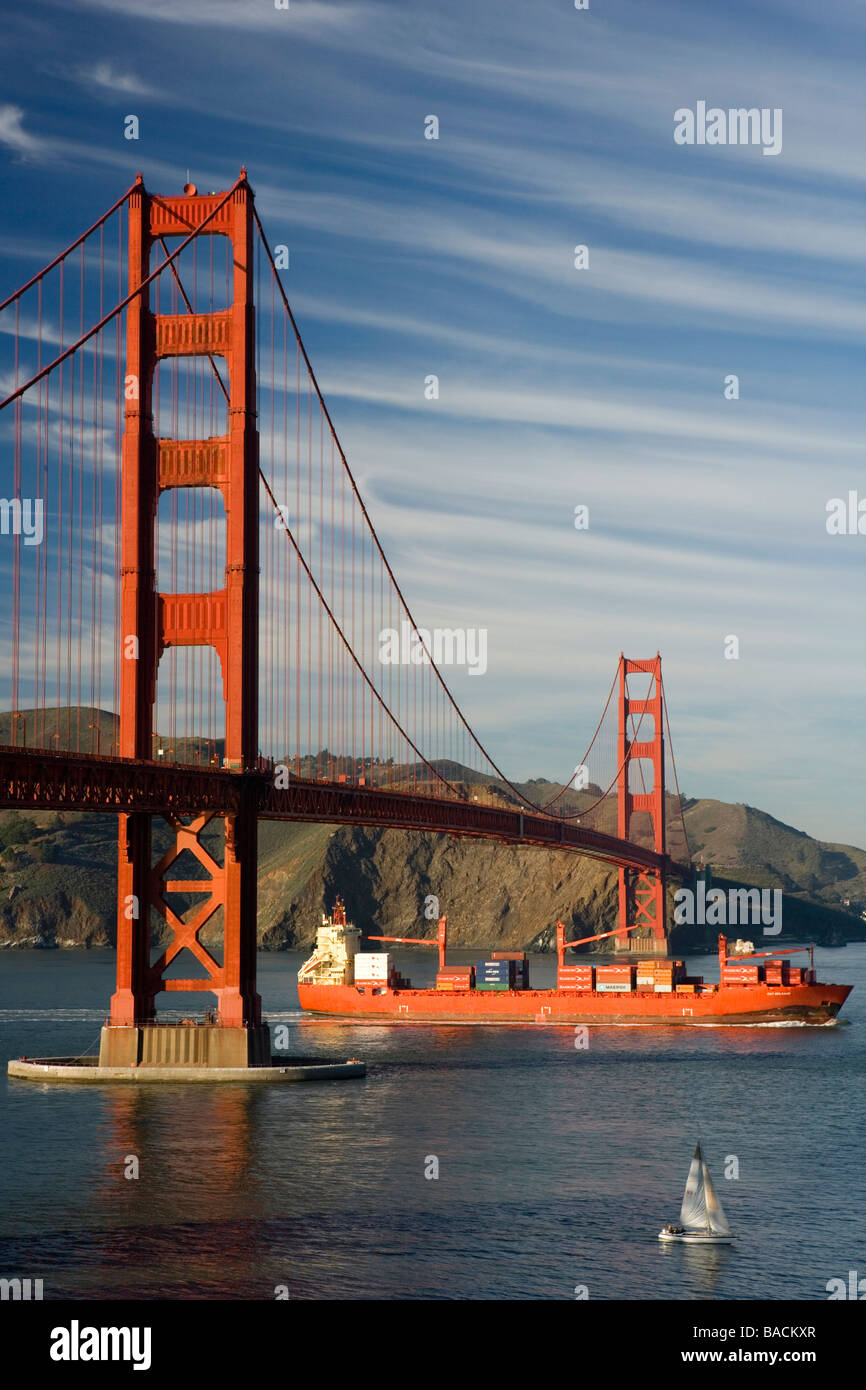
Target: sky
x,y
559,387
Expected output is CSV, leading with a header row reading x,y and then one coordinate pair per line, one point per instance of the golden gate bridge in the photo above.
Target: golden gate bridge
x,y
196,594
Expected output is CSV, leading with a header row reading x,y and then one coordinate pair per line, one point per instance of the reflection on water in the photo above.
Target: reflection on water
x,y
704,1264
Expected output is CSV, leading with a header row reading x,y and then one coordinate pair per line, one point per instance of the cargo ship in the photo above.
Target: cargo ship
x,y
756,987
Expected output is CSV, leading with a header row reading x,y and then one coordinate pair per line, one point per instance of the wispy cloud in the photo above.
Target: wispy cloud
x,y
105,77
14,136
314,17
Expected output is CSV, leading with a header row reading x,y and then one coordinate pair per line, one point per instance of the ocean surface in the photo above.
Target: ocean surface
x,y
557,1165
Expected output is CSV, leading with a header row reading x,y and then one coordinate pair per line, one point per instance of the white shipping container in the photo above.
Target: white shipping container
x,y
372,965
613,987
664,989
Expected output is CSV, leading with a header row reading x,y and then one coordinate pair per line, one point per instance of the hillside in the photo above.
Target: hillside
x,y
740,842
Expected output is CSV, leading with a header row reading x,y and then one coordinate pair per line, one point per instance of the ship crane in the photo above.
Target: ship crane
x,y
562,945
789,950
439,940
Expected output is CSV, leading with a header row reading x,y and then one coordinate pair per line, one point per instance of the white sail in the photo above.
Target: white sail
x,y
693,1212
716,1219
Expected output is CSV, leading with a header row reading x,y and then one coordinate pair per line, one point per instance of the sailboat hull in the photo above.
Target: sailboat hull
x,y
696,1238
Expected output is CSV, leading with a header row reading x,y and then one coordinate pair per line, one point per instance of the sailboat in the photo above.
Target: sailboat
x,y
702,1220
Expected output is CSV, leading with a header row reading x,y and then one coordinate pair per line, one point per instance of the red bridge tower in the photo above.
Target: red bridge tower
x,y
226,619
641,892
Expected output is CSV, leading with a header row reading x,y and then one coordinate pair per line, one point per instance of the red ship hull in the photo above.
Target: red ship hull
x,y
747,1004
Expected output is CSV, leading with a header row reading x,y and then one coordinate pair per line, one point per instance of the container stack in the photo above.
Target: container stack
x,y
795,975
776,970
517,959
456,977
738,973
646,973
576,978
494,975
614,979
372,968
657,975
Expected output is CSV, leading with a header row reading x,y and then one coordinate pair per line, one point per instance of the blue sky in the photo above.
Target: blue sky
x,y
558,387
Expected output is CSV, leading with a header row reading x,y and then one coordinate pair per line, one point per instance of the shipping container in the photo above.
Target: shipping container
x,y
493,985
372,965
612,987
508,955
664,989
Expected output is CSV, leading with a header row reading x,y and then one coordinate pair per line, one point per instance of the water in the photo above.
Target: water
x,y
557,1166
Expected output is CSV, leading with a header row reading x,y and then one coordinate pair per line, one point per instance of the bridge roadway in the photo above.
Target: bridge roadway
x,y
36,779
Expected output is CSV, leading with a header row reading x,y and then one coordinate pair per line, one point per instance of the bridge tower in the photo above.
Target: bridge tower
x,y
641,892
152,621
